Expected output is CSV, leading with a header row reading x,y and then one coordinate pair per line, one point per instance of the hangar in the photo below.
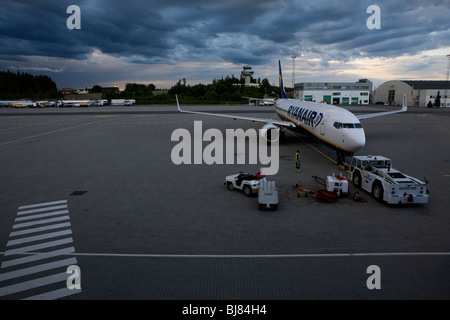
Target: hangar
x,y
418,92
335,92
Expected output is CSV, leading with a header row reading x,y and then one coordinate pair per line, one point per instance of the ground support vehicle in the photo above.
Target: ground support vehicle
x,y
246,182
375,175
74,103
102,102
122,102
302,191
337,185
22,104
267,195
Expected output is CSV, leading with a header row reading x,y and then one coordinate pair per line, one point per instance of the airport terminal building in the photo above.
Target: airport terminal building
x,y
418,92
335,92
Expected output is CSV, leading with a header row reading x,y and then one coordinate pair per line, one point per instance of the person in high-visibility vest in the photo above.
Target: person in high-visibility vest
x,y
297,161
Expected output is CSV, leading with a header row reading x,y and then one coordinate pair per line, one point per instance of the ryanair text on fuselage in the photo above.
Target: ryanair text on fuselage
x,y
305,116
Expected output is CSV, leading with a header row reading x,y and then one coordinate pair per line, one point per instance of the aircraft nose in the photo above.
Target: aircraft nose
x,y
357,141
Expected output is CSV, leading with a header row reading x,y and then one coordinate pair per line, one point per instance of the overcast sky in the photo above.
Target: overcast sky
x,y
162,41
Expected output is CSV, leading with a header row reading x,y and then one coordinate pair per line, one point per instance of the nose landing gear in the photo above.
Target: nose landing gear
x,y
340,156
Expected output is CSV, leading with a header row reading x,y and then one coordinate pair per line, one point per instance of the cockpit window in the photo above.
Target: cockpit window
x,y
339,125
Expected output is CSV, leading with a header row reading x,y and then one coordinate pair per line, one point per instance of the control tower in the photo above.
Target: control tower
x,y
247,74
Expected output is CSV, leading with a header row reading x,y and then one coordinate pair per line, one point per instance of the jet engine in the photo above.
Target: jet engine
x,y
270,132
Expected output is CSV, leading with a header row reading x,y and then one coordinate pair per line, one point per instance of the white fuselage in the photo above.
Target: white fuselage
x,y
335,126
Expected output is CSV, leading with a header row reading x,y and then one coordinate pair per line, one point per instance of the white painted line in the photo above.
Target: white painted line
x,y
27,224
41,210
234,256
35,283
39,237
39,268
38,246
39,229
306,255
42,215
54,295
37,257
42,204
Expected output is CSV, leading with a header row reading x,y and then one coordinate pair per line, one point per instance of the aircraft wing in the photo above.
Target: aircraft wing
x,y
267,121
372,115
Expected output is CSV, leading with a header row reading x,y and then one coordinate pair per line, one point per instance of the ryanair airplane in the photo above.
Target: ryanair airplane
x,y
336,127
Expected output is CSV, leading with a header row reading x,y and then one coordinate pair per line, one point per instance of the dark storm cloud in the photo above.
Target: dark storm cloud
x,y
151,29
255,32
35,28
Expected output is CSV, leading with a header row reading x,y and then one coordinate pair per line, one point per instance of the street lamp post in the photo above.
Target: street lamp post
x,y
293,74
446,84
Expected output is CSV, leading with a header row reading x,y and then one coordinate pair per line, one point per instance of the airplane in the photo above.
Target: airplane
x,y
334,126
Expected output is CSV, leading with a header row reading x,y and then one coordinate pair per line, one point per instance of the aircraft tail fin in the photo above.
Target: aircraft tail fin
x,y
283,92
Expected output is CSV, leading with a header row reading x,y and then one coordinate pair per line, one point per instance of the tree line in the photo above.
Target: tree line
x,y
225,90
14,86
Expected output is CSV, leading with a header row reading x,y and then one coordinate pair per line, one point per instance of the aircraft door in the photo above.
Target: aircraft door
x,y
322,125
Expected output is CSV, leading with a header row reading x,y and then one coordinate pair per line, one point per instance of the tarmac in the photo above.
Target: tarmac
x,y
142,228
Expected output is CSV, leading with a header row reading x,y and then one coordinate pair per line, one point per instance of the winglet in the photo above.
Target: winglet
x,y
379,114
405,105
178,104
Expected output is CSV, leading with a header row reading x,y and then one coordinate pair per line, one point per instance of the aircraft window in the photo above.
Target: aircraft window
x,y
337,125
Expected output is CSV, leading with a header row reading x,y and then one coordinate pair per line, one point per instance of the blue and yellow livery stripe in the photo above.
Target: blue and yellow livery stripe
x,y
331,144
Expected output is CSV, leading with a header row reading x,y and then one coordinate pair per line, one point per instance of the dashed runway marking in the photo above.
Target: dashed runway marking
x,y
38,253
